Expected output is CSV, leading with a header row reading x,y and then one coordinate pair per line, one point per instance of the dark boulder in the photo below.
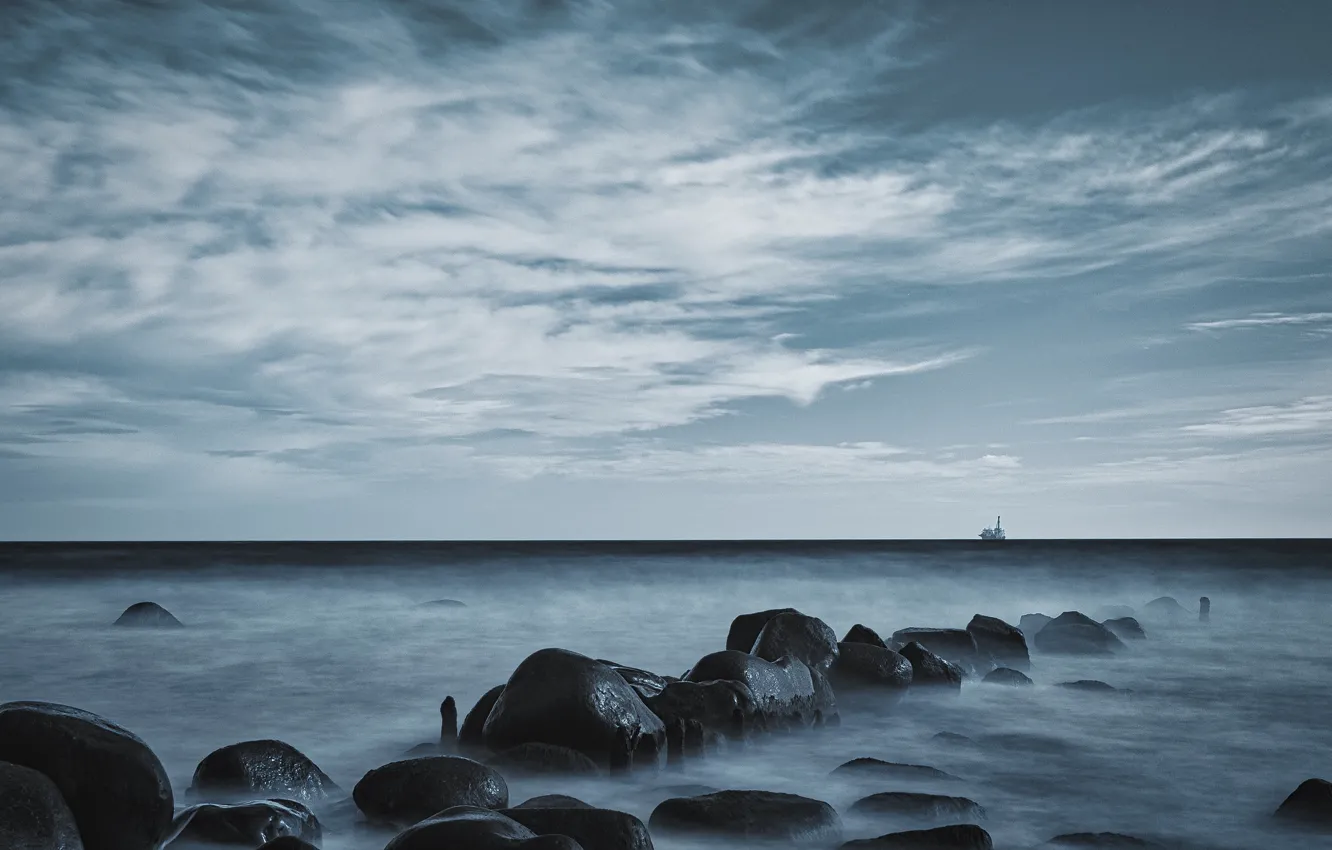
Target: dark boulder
x,y
553,801
745,628
929,670
784,691
1165,608
112,782
1125,628
534,759
33,815
864,634
872,768
148,615
1073,633
404,792
594,829
1308,805
1004,644
763,815
865,667
1102,840
1090,686
1006,676
806,639
264,768
471,735
955,837
954,645
288,842
475,828
722,707
1031,624
250,824
645,683
560,697
925,807
443,603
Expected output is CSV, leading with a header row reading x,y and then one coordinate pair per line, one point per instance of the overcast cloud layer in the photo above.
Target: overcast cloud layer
x,y
617,269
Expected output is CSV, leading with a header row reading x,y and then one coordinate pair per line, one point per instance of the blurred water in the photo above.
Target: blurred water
x,y
327,648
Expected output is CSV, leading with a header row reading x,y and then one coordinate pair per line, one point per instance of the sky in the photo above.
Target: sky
x,y
552,269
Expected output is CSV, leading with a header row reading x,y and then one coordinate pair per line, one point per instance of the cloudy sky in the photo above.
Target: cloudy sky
x,y
604,269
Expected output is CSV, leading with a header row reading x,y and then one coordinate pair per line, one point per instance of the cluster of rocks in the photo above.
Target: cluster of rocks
x,y
70,780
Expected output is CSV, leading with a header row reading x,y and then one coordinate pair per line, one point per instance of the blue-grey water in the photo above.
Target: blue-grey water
x,y
327,647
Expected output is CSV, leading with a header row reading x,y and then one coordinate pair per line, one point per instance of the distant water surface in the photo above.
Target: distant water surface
x,y
327,647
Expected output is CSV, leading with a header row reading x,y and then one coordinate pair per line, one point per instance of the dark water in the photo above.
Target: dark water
x,y
325,646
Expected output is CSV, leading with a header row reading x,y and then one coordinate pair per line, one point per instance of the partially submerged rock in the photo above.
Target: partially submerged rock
x,y
749,815
535,759
929,670
1125,628
1094,686
553,801
32,812
250,824
784,691
722,706
1004,644
864,667
955,837
1074,633
1006,676
1166,608
471,735
1101,840
864,634
264,768
148,615
873,768
1309,805
795,635
646,683
475,828
1031,624
594,829
956,646
746,627
916,806
404,792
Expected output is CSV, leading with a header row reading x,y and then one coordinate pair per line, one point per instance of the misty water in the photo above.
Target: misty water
x,y
329,649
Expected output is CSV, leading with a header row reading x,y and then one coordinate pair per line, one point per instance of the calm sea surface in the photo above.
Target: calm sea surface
x,y
325,646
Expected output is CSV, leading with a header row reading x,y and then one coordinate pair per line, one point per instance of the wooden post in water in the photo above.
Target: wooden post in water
x,y
1204,609
448,723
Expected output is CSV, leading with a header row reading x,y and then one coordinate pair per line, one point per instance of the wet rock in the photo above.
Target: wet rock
x,y
471,735
537,759
148,615
929,670
1031,624
872,768
475,828
1103,840
1165,608
927,807
745,628
954,645
1090,686
404,792
1004,644
252,769
806,639
711,704
1125,628
1074,633
250,824
560,697
865,667
594,829
784,691
955,837
1204,609
288,842
554,801
112,782
1309,805
864,634
645,683
443,603
1006,676
33,815
764,815
1113,612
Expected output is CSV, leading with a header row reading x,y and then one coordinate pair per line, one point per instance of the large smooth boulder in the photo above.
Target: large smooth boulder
x,y
1308,805
784,691
249,824
954,837
1031,624
475,828
1125,628
878,769
804,638
749,815
148,615
112,782
594,829
867,668
1006,676
1074,633
1001,642
543,759
404,792
929,670
921,807
471,734
264,768
560,697
721,706
33,815
745,628
954,645
864,634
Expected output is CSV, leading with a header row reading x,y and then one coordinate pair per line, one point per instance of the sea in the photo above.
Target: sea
x,y
329,647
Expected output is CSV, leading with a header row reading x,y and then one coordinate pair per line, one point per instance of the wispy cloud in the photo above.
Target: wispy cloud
x,y
1262,320
1311,415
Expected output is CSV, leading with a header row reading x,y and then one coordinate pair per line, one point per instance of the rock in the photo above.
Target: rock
x,y
870,668
475,828
929,670
955,837
264,768
931,807
560,697
112,782
864,634
250,824
873,768
1073,633
1112,612
404,792
1204,609
745,628
806,639
1308,805
1031,624
535,759
645,683
471,736
784,691
1006,676
1125,628
553,801
288,842
33,815
1004,644
1091,685
443,603
1104,840
763,815
954,645
1165,608
148,615
697,714
593,829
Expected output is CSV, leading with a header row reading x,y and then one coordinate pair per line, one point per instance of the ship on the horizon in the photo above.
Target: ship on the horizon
x,y
996,533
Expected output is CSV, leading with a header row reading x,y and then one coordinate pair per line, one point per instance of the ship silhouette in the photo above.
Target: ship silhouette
x,y
996,533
